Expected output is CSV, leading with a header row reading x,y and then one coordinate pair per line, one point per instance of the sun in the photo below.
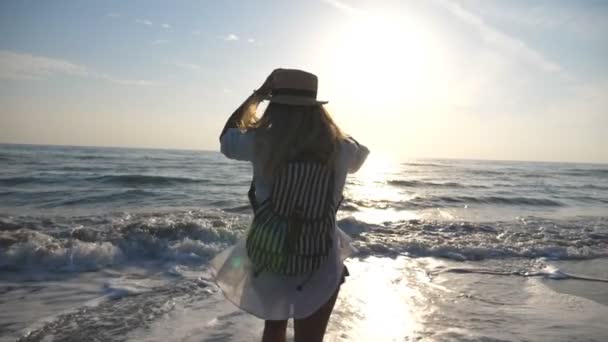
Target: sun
x,y
382,59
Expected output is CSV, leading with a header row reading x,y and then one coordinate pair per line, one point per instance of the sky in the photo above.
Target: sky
x,y
475,79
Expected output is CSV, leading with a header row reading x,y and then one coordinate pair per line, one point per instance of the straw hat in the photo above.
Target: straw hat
x,y
294,87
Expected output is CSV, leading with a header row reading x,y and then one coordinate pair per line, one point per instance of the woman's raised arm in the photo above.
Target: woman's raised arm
x,y
249,105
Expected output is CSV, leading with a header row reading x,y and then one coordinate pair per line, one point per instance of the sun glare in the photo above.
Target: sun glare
x,y
369,185
386,76
381,305
377,168
382,60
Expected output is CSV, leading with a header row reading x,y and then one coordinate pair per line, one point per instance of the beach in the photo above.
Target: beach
x,y
113,244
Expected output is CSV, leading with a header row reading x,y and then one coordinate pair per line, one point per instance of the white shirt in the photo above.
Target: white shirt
x,y
271,296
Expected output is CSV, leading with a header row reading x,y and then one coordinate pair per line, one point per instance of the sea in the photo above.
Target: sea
x,y
113,244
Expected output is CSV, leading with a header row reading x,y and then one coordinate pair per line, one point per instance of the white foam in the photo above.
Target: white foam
x,y
478,241
194,237
41,250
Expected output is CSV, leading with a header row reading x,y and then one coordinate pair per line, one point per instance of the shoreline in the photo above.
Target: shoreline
x,y
384,299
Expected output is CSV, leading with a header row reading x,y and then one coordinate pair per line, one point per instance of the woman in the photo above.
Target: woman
x,y
290,265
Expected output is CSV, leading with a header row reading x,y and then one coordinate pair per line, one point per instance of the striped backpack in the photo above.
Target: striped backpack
x,y
291,233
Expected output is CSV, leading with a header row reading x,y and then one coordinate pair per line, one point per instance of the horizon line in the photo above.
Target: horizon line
x,y
217,151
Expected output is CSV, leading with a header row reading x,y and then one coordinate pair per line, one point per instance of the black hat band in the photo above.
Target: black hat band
x,y
295,92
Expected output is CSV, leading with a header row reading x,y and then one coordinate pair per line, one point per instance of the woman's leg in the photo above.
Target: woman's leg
x,y
312,328
274,331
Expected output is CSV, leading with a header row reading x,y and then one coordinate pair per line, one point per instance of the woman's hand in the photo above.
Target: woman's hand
x,y
246,111
265,90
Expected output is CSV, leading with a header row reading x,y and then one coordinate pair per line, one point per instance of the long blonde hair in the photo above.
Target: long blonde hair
x,y
286,132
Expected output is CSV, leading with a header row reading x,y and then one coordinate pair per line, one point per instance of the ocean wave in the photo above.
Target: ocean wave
x,y
424,164
131,180
241,209
92,157
584,172
482,172
423,184
352,204
541,176
586,186
548,271
531,239
109,319
91,243
19,180
587,199
422,202
125,196
134,179
73,168
528,201
176,236
29,249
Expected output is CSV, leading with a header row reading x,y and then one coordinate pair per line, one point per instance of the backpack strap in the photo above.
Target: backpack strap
x,y
330,186
251,194
339,203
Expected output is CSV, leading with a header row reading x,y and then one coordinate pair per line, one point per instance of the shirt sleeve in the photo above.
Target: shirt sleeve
x,y
358,154
237,145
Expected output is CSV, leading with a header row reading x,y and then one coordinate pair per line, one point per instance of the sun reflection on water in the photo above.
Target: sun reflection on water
x,y
370,190
381,301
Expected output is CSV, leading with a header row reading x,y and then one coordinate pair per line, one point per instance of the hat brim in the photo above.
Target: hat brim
x,y
295,100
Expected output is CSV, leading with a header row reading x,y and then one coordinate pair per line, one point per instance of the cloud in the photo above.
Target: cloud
x,y
20,66
23,66
231,37
113,14
122,81
189,66
159,42
251,40
143,22
342,6
166,26
196,32
583,19
503,41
